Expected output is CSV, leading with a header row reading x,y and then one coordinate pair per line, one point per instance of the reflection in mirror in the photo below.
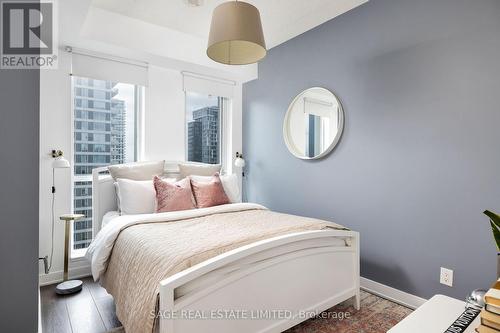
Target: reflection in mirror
x,y
313,123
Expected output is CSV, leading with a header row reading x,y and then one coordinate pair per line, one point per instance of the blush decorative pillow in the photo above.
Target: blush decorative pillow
x,y
173,196
208,194
229,182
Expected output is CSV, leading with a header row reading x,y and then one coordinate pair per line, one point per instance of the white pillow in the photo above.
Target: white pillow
x,y
199,169
229,182
137,170
136,196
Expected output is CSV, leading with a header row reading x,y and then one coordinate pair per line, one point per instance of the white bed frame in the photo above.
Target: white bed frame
x,y
292,277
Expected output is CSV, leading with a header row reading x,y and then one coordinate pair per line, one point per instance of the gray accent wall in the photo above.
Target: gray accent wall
x,y
419,160
19,151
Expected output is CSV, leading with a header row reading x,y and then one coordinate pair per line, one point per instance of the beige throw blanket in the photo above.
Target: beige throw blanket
x,y
145,254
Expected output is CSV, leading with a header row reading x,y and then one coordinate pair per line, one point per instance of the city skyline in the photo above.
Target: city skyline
x,y
101,124
203,136
203,128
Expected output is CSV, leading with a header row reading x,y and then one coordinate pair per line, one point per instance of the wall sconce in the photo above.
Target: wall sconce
x,y
59,161
239,162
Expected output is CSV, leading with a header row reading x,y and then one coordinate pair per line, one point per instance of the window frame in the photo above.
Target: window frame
x,y
140,94
225,113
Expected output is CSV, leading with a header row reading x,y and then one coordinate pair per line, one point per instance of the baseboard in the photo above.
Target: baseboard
x,y
392,294
55,277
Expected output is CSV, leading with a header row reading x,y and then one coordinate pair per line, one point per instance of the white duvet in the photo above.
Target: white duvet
x,y
100,249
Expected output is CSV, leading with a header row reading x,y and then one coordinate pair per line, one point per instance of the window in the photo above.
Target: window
x,y
105,132
204,121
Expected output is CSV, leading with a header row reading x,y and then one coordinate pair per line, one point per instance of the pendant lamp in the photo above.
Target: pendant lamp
x,y
236,36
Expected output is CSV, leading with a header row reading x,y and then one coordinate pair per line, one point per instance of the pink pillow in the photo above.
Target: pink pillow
x,y
209,194
173,196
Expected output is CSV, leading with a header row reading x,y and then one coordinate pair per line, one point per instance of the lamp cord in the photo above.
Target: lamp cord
x,y
52,219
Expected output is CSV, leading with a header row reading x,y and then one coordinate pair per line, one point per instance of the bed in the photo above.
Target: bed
x,y
232,268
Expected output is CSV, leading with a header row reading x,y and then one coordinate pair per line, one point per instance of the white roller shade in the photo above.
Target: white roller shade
x,y
209,86
100,68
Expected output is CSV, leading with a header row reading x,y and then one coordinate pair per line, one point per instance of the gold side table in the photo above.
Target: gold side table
x,y
68,286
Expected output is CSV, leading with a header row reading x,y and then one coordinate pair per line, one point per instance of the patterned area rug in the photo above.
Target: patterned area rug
x,y
377,315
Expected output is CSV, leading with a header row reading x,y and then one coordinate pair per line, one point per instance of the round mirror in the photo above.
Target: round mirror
x,y
313,123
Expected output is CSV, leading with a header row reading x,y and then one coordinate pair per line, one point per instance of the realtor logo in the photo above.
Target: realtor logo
x,y
29,38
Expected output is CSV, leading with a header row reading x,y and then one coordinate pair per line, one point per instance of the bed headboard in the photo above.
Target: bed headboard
x,y
104,194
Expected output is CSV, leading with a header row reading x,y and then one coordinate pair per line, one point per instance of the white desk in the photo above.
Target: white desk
x,y
434,316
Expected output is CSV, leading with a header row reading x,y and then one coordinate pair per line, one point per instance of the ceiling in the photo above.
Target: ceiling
x,y
171,34
281,19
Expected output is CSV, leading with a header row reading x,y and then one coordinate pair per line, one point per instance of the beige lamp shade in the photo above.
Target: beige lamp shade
x,y
236,36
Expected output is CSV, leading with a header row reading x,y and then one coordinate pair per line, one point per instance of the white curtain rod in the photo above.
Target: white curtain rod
x,y
103,56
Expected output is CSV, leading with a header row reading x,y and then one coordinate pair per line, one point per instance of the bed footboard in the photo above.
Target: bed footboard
x,y
267,286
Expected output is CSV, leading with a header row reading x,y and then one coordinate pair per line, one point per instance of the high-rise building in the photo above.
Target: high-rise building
x,y
99,141
117,131
204,135
194,141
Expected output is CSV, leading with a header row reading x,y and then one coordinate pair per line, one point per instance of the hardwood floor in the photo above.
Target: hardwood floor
x,y
92,310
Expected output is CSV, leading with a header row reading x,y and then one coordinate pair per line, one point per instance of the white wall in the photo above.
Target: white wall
x,y
163,138
236,144
164,133
55,133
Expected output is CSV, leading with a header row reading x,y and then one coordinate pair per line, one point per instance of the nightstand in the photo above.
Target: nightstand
x,y
434,316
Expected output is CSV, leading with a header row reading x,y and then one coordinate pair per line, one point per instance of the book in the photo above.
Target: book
x,y
491,317
493,309
492,296
490,324
485,329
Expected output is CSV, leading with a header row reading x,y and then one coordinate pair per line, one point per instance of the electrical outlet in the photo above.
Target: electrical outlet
x,y
446,277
